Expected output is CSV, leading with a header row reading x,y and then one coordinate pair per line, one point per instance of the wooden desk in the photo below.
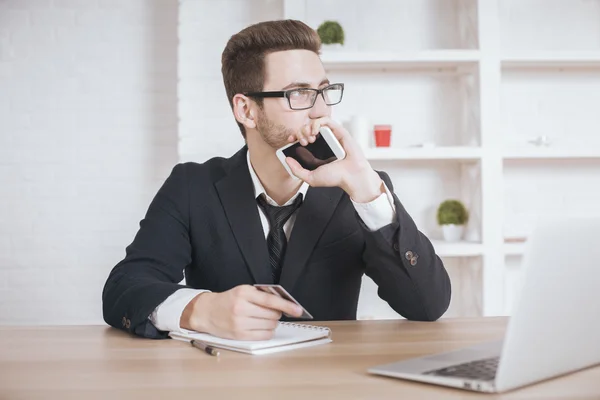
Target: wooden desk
x,y
88,362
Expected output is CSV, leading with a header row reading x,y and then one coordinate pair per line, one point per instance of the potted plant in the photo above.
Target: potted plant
x,y
452,216
331,34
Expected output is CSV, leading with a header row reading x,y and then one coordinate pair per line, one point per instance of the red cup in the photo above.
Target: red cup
x,y
383,135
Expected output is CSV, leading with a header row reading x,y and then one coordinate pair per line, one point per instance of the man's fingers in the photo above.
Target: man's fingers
x,y
337,129
276,303
297,170
303,135
308,133
260,324
259,312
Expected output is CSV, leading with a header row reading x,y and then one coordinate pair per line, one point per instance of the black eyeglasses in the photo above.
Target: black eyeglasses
x,y
305,98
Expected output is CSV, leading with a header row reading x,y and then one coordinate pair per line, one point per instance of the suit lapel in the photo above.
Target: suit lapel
x,y
312,218
237,197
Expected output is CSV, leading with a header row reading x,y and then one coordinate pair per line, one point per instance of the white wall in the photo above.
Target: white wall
x,y
207,127
88,131
89,125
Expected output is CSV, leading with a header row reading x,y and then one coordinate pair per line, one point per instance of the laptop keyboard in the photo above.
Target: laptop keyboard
x,y
484,369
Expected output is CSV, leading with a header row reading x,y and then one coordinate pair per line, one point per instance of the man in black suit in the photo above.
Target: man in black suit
x,y
231,223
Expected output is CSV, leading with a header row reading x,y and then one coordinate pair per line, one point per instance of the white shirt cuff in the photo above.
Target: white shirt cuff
x,y
377,213
167,315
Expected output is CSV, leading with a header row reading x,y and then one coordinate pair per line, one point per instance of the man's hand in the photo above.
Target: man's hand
x,y
242,313
353,174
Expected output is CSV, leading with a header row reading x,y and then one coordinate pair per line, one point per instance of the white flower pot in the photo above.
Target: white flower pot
x,y
452,233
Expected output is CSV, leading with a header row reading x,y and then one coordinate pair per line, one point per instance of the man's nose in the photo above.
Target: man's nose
x,y
320,109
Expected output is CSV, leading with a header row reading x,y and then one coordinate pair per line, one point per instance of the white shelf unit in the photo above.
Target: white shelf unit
x,y
533,153
408,60
481,66
415,154
551,59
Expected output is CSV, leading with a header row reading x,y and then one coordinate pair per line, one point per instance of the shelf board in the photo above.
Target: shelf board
x,y
421,153
593,152
457,249
422,59
534,59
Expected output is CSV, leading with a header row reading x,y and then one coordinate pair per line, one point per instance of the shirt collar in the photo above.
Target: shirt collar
x,y
259,188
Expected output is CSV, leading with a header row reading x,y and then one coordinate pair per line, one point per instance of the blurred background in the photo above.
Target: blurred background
x,y
491,103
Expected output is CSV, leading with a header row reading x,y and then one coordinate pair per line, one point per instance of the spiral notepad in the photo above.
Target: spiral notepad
x,y
288,336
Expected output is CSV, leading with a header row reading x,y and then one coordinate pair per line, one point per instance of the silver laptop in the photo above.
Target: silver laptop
x,y
554,328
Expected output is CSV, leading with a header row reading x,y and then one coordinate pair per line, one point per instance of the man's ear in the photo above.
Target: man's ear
x,y
242,110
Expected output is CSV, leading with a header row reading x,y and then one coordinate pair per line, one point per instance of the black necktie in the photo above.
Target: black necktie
x,y
276,241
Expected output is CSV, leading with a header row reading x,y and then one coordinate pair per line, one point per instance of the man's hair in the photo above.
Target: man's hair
x,y
243,60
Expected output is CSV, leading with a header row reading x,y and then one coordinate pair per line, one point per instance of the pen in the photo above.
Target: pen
x,y
205,348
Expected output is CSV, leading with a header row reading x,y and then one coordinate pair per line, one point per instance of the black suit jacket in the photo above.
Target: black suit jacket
x,y
204,221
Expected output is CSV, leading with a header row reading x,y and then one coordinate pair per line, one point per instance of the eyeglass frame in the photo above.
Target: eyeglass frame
x,y
286,94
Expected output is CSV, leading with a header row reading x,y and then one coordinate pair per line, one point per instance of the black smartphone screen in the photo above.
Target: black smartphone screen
x,y
313,155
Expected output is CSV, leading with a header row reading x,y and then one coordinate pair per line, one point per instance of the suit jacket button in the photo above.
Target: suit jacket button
x,y
413,261
124,321
127,324
408,255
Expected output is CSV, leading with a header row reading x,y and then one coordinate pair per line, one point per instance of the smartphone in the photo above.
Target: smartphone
x,y
325,149
278,290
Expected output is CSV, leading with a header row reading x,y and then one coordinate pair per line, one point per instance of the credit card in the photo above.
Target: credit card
x,y
278,290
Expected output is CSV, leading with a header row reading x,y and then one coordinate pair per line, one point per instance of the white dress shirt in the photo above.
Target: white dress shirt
x,y
376,214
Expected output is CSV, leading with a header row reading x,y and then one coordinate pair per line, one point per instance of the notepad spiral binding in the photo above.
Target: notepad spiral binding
x,y
305,326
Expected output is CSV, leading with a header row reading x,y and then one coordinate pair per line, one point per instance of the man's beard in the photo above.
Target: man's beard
x,y
272,134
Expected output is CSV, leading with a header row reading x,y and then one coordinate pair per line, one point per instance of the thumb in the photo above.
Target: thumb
x,y
298,171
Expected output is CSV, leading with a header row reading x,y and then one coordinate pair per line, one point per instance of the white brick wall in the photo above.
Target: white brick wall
x,y
207,127
88,131
89,125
